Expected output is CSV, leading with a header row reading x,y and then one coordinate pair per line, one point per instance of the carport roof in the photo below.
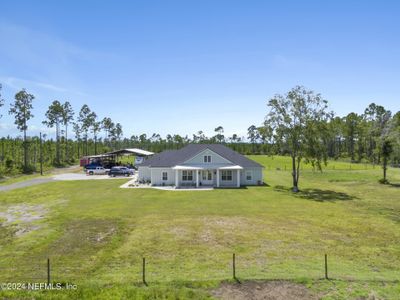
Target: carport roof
x,y
128,151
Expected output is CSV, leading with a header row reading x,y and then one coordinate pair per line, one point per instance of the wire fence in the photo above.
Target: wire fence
x,y
146,270
331,167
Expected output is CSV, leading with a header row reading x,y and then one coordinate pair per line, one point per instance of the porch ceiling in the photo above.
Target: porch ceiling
x,y
207,167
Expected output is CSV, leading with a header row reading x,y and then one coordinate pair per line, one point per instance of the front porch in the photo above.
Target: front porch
x,y
202,177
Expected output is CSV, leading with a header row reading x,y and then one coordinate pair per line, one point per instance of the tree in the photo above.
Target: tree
x,y
298,121
387,149
107,124
220,134
380,135
377,117
67,118
118,131
385,141
395,137
22,111
96,127
77,130
54,117
1,99
86,119
253,135
234,138
351,124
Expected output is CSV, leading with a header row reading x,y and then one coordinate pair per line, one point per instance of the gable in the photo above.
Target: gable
x,y
215,158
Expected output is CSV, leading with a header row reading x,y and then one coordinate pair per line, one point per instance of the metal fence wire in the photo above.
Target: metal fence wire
x,y
145,270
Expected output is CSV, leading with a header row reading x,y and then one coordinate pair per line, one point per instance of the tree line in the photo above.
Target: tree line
x,y
297,124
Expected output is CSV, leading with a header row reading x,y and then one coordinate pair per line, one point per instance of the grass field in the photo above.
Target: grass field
x,y
96,234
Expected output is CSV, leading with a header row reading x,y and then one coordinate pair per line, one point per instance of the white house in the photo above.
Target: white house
x,y
201,165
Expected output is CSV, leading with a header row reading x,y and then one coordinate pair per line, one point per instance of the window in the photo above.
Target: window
x,y
226,175
207,158
164,176
187,175
249,175
207,175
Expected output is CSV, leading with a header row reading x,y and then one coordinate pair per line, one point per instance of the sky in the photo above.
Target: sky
x,y
177,67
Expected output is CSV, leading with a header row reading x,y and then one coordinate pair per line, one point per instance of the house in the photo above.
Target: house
x,y
201,165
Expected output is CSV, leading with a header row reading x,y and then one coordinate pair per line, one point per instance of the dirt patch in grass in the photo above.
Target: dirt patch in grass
x,y
263,290
221,230
23,217
84,237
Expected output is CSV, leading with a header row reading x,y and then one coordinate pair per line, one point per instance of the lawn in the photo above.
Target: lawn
x,y
96,235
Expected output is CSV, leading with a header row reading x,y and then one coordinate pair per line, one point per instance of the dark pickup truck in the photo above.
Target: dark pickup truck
x,y
120,171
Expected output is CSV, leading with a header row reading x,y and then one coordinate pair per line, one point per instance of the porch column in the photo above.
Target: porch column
x,y
197,178
217,177
238,178
176,178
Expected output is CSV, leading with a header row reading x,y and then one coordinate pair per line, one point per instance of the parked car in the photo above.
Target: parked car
x,y
97,171
120,171
92,166
132,170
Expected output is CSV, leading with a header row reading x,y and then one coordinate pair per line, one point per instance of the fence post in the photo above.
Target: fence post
x,y
234,266
48,270
326,266
144,271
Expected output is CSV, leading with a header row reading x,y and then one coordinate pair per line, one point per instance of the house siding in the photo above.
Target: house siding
x,y
215,159
144,173
156,176
257,176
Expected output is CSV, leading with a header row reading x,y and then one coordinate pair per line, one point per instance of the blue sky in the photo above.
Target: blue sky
x,y
184,66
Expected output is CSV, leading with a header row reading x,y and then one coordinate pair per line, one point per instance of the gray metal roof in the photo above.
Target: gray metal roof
x,y
171,158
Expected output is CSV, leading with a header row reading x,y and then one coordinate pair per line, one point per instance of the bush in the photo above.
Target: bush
x,y
383,181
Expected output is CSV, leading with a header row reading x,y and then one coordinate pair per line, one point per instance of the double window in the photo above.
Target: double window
x,y
226,175
187,175
164,176
207,158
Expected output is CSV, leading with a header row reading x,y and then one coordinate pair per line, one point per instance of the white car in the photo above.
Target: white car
x,y
97,171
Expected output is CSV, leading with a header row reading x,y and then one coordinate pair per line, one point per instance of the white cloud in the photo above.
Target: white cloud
x,y
34,59
18,83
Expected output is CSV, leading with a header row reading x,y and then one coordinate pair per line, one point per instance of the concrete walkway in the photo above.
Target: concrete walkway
x,y
132,184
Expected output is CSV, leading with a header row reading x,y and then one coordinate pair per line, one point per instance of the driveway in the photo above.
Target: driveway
x,y
26,183
83,176
56,177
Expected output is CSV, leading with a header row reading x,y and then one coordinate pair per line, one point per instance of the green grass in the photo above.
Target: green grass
x,y
96,235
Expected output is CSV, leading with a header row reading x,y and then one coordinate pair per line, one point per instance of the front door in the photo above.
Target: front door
x,y
206,177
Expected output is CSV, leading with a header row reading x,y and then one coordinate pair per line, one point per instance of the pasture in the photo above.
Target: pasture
x,y
96,235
